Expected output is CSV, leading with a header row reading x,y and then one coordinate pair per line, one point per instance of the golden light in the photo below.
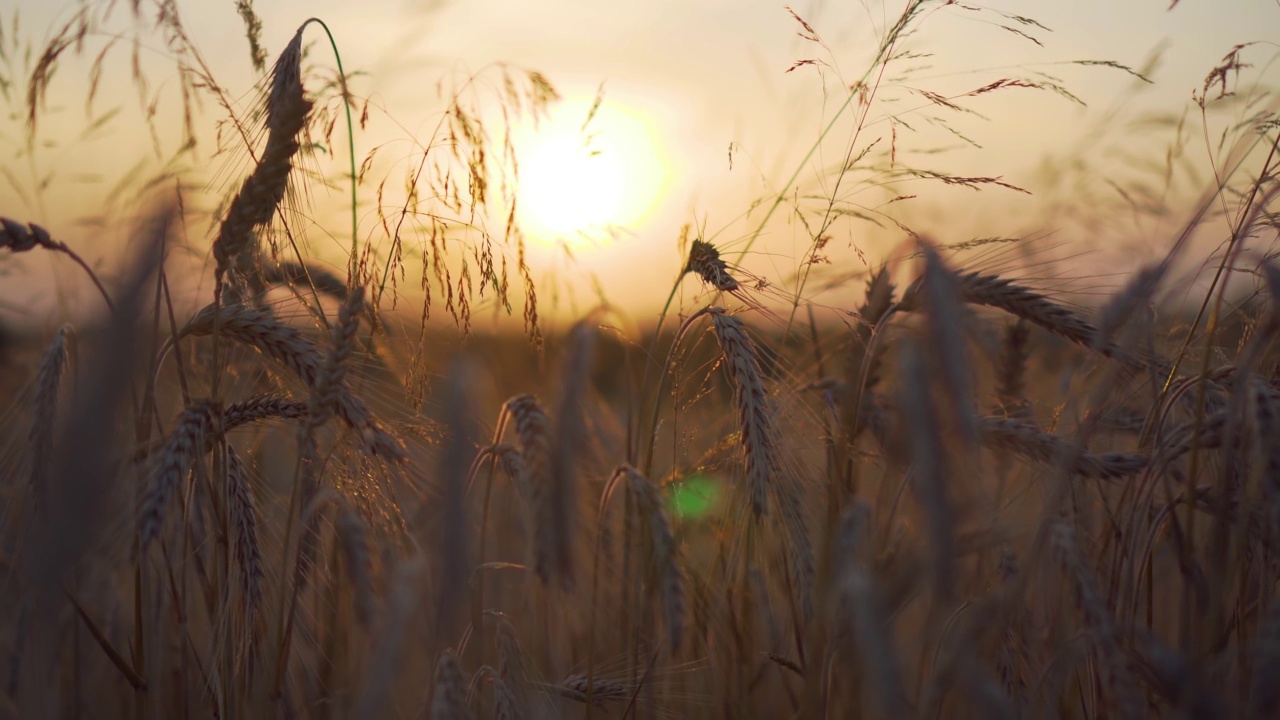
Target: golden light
x,y
583,174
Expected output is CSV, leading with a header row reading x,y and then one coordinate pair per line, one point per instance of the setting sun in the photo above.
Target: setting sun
x,y
583,174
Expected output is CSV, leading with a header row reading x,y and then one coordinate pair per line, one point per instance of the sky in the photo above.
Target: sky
x,y
700,122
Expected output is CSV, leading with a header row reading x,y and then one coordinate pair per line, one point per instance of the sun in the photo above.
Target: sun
x,y
583,174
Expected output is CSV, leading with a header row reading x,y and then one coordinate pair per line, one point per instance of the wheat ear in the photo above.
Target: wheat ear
x,y
704,260
185,445
40,437
533,431
244,519
17,237
866,352
755,418
449,697
662,548
264,189
1025,439
997,292
353,534
259,328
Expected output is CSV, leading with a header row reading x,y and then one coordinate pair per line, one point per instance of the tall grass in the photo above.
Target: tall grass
x,y
966,498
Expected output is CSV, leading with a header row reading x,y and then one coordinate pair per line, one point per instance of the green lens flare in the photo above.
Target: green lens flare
x,y
695,497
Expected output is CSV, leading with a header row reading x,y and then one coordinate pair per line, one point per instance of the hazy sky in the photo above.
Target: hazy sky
x,y
692,77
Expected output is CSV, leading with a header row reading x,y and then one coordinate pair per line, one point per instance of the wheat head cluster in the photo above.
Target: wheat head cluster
x,y
956,494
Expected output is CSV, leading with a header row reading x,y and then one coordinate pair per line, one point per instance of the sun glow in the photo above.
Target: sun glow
x,y
584,175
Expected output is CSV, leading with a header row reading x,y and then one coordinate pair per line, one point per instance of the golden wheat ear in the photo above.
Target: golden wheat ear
x,y
755,416
236,247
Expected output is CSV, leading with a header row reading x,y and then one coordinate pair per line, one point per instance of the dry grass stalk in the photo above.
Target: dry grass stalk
x,y
449,696
755,416
704,260
253,207
244,521
184,447
663,550
44,420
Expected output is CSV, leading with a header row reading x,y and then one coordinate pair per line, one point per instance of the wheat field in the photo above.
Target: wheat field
x,y
954,491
